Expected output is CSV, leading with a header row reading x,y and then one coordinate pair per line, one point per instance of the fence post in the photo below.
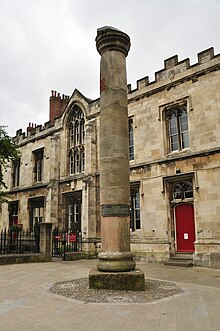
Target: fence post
x,y
46,239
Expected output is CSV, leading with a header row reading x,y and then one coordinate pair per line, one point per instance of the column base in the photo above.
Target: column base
x,y
115,261
125,281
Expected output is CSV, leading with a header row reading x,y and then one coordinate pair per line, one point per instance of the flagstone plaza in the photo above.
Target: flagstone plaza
x,y
26,304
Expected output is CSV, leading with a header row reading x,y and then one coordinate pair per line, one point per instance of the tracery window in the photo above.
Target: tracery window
x,y
177,127
76,149
181,191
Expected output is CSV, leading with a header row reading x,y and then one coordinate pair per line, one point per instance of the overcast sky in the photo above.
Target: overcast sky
x,y
50,45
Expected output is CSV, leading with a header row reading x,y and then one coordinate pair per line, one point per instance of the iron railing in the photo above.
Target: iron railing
x,y
18,242
64,241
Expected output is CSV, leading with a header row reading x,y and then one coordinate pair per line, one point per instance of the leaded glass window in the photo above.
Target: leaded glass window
x,y
177,121
76,149
181,191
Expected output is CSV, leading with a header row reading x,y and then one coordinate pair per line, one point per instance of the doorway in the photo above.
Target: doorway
x,y
185,228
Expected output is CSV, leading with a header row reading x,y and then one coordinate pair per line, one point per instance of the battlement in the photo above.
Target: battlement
x,y
57,106
172,67
174,70
31,131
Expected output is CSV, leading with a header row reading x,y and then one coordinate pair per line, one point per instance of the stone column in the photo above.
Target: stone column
x,y
113,46
116,267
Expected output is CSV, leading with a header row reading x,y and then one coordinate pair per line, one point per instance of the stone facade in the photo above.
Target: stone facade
x,y
174,166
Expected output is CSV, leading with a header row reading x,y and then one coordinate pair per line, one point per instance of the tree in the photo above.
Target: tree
x,y
8,152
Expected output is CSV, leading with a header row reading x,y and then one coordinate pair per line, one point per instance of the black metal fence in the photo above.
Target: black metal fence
x,y
65,241
17,241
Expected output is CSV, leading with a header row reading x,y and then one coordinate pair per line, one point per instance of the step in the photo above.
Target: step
x,y
180,256
179,263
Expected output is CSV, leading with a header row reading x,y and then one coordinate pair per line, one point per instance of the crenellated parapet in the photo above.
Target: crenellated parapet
x,y
175,70
32,131
58,104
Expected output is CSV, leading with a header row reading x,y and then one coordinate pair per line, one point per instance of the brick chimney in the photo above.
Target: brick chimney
x,y
57,105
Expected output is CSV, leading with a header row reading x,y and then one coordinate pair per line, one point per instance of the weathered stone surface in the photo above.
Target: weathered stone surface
x,y
198,86
115,261
113,45
129,281
24,258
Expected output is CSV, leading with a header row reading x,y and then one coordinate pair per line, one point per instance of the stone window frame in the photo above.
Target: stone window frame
x,y
72,203
179,191
131,137
135,208
36,203
38,165
176,119
16,172
13,212
76,140
183,104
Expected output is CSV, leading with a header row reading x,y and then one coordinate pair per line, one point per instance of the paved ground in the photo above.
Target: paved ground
x,y
25,303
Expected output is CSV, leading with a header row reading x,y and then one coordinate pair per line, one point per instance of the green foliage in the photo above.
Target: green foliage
x,y
8,152
15,228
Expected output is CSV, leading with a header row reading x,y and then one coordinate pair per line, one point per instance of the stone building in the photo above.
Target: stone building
x,y
174,145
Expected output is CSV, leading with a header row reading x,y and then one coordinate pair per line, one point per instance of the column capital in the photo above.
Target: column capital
x,y
109,38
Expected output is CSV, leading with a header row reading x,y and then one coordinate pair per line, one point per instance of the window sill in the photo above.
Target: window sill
x,y
181,151
135,233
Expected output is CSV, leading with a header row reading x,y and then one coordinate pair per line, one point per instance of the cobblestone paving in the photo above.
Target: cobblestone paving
x,y
79,289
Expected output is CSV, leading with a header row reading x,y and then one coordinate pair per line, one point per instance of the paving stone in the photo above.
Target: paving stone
x,y
27,305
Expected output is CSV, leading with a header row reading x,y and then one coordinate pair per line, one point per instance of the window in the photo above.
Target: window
x,y
38,214
16,173
76,150
131,139
177,127
73,205
13,213
38,165
181,191
135,218
36,211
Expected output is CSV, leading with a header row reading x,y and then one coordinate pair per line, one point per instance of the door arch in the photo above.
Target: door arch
x,y
184,228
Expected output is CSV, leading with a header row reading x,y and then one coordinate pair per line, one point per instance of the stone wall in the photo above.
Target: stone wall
x,y
154,167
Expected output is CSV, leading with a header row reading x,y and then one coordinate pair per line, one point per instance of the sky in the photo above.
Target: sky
x,y
50,45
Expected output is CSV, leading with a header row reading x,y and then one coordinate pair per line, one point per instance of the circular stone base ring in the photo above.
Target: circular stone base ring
x,y
115,261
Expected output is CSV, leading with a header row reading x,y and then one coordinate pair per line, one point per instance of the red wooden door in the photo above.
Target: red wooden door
x,y
185,228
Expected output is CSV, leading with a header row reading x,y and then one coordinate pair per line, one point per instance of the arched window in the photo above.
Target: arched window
x,y
181,191
178,131
76,149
